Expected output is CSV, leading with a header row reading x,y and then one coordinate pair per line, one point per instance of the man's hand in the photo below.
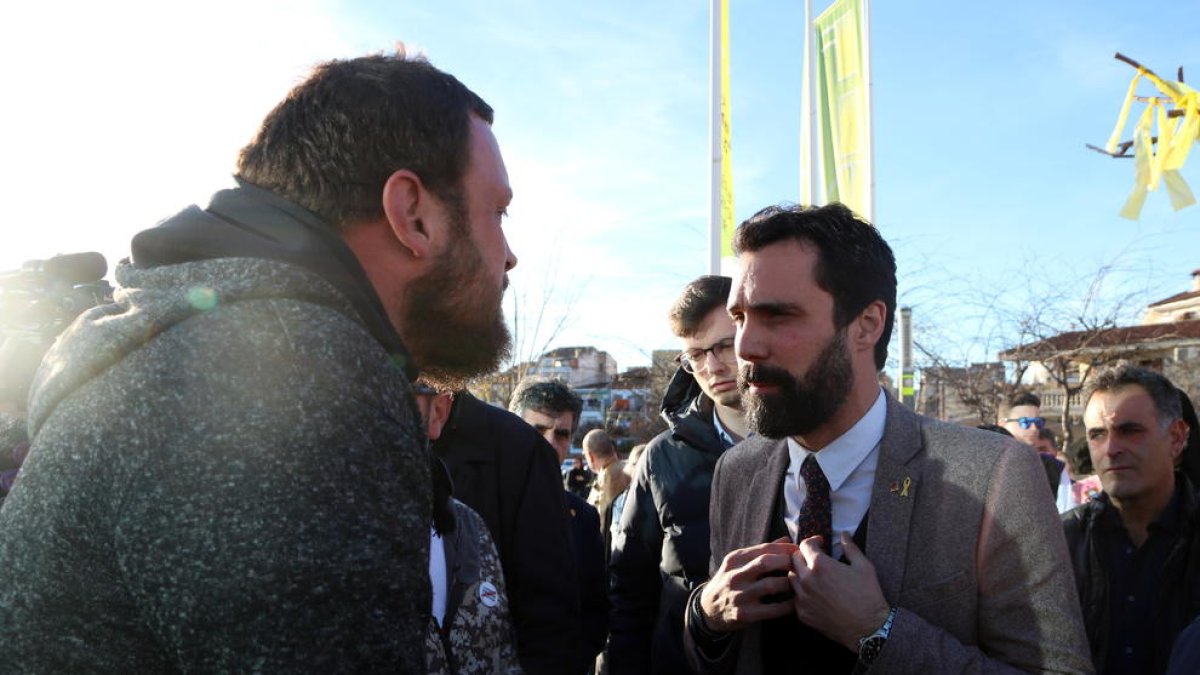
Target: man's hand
x,y
844,602
733,598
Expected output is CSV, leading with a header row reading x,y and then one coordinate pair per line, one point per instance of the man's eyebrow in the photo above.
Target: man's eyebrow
x,y
778,307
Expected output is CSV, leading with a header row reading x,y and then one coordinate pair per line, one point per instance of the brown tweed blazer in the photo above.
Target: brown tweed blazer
x,y
973,556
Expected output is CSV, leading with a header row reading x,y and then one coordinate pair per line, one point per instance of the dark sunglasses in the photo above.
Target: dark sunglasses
x,y
1026,422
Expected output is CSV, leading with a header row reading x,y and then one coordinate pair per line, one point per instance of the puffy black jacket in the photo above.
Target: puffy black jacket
x,y
1179,579
660,552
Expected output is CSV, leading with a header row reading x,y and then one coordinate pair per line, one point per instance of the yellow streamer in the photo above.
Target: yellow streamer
x,y
1115,138
1155,165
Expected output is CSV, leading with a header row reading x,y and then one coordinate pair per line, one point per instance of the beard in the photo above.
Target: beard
x,y
454,322
802,404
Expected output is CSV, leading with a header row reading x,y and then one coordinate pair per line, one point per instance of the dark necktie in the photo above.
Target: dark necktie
x,y
816,517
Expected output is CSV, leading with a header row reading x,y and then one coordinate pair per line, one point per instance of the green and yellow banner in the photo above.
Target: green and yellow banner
x,y
843,106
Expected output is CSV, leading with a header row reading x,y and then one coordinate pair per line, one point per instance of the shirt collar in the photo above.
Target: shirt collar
x,y
839,459
722,433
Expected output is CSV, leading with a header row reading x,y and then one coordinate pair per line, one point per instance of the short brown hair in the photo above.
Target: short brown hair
x,y
699,298
333,142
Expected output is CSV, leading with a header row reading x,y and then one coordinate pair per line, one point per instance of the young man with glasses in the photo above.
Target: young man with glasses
x,y
660,551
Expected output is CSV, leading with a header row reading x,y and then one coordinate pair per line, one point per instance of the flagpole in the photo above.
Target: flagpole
x,y
808,112
866,8
714,127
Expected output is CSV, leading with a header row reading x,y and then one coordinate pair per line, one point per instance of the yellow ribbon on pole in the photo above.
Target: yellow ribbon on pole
x,y
1159,163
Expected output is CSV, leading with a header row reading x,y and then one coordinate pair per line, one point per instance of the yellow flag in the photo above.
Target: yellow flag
x,y
726,150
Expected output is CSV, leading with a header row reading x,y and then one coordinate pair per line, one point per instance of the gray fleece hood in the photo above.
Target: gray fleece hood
x,y
247,243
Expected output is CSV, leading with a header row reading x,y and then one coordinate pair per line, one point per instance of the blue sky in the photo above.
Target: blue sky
x,y
118,114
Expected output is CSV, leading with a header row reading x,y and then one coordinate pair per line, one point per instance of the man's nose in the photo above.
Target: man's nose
x,y
748,343
510,258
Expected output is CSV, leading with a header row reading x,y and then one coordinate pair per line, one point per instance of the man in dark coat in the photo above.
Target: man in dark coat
x,y
1135,548
552,409
508,474
660,552
228,472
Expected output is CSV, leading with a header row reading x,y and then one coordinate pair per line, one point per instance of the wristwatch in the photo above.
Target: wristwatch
x,y
870,646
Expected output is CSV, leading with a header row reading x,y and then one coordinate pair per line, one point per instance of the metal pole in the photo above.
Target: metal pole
x,y
714,127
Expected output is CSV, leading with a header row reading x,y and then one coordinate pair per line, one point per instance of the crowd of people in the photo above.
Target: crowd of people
x,y
261,455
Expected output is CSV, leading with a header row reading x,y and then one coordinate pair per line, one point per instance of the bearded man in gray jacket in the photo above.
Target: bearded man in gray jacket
x,y
228,472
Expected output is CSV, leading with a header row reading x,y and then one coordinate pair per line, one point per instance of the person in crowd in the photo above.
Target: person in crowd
x,y
848,531
505,471
470,630
579,478
1023,420
1057,470
1135,549
1085,485
660,552
602,460
1190,463
618,505
228,471
553,409
1185,654
1023,417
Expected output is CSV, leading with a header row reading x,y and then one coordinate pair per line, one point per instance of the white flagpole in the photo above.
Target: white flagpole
x,y
714,127
808,125
866,9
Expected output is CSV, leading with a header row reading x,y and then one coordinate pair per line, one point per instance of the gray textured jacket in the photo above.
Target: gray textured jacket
x,y
228,471
963,540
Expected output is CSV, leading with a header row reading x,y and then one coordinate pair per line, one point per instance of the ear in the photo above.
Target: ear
x,y
867,328
439,412
407,206
1178,433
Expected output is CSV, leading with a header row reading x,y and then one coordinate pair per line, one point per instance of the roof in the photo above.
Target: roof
x,y
1186,295
1084,341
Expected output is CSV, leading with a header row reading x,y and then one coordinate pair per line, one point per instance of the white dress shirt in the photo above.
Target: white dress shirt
x,y
849,465
437,575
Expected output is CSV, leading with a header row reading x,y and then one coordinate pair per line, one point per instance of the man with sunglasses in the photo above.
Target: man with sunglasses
x,y
1025,422
1024,417
660,551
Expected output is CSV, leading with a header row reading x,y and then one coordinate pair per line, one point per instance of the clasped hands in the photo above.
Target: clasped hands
x,y
843,602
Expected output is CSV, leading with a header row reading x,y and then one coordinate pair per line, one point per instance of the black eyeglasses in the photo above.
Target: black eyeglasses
x,y
1026,422
692,360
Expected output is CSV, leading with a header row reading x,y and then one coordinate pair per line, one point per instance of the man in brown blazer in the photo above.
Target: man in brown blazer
x,y
850,533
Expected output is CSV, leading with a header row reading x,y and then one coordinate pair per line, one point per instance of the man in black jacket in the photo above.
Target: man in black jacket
x,y
661,552
1135,549
508,474
552,409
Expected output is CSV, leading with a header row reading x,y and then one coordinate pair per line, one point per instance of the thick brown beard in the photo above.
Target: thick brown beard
x,y
454,327
803,403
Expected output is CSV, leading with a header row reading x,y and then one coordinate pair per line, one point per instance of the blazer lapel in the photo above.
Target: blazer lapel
x,y
897,481
762,494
